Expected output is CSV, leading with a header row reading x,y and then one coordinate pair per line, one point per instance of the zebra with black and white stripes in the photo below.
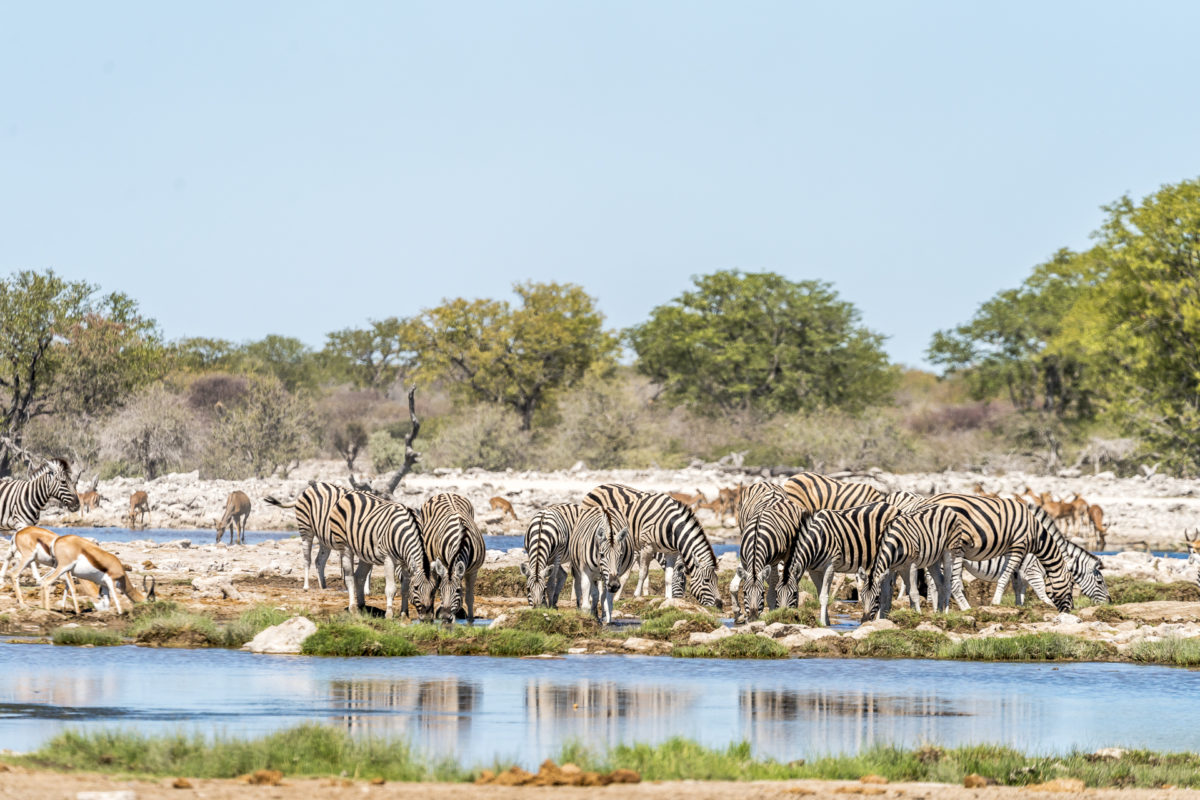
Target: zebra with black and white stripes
x,y
22,500
920,538
619,497
814,491
601,553
769,521
546,541
456,551
374,531
831,541
659,523
313,507
1000,527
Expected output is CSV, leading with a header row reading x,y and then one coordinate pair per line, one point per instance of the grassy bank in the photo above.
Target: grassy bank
x,y
532,632
167,624
315,750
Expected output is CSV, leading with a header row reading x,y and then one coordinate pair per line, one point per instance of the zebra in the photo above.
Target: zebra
x,y
917,539
814,491
619,497
313,507
23,499
769,522
375,531
1005,528
835,540
456,550
1086,569
601,552
546,551
660,523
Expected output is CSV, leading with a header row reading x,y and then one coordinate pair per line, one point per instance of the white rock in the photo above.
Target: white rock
x,y
123,794
284,638
710,637
1066,619
216,587
640,645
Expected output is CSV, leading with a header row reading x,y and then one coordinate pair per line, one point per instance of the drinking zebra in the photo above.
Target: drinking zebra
x,y
835,540
1004,528
601,552
313,507
546,549
455,550
374,531
659,523
918,539
23,499
619,497
769,522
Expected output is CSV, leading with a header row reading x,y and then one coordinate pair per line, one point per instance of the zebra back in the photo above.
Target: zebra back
x,y
666,525
754,496
905,501
814,491
616,496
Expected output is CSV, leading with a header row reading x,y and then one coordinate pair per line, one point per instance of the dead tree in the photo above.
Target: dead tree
x,y
410,455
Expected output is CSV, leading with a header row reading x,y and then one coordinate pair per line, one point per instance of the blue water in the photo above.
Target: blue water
x,y
480,708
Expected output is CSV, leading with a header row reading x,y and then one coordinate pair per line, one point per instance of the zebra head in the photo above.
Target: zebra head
x,y
754,588
450,590
704,585
422,589
536,583
612,545
56,476
1091,579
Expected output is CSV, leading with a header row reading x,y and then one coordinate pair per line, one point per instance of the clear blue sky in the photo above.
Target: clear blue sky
x,y
295,168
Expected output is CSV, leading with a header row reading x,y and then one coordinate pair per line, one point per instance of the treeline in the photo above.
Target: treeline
x,y
1094,356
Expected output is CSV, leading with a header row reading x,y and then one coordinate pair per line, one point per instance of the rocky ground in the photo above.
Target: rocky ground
x,y
1152,511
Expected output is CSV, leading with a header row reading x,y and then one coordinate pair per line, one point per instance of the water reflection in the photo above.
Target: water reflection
x,y
436,712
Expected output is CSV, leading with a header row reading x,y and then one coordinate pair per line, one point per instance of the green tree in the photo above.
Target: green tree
x,y
285,357
271,428
374,357
517,356
757,340
65,350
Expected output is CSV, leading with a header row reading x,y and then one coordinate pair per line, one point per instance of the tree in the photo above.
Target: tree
x,y
63,350
757,340
519,357
271,428
154,432
1007,345
377,356
286,358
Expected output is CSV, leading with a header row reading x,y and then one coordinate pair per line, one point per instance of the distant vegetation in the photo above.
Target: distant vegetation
x,y
1091,362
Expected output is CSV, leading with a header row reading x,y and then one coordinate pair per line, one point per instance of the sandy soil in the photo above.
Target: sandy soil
x,y
1153,510
50,786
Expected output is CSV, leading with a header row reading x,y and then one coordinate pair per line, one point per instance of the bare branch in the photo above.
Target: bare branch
x,y
410,455
29,458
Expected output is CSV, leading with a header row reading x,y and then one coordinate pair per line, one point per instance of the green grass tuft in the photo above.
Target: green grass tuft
x,y
252,621
1127,590
1174,651
740,645
84,636
350,639
902,644
509,642
167,625
560,622
792,616
1030,647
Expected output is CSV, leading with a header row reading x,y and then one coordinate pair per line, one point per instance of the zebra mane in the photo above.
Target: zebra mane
x,y
1069,548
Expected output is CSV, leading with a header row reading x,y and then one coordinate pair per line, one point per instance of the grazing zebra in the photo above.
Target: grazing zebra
x,y
1005,528
374,531
455,550
916,539
1085,568
835,540
659,523
813,491
619,497
769,522
601,553
313,507
546,551
23,499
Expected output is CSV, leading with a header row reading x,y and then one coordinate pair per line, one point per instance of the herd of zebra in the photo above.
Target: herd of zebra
x,y
811,524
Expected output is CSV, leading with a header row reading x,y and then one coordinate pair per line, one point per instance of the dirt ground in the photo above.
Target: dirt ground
x,y
29,785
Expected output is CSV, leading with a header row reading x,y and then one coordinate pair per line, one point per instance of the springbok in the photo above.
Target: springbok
x,y
505,507
139,503
1096,515
30,547
237,508
690,500
76,556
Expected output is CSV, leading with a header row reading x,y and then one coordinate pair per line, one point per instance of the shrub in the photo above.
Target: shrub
x,y
485,436
84,636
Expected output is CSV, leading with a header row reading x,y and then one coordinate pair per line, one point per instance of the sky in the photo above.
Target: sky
x,y
297,168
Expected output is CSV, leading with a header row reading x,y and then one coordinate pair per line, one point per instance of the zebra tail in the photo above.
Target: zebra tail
x,y
271,501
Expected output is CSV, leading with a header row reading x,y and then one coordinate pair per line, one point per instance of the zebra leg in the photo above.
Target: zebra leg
x,y
586,592
1035,577
645,556
735,586
607,600
885,604
956,584
826,585
1011,562
323,554
669,567
362,579
405,590
348,578
576,585
772,595
469,595
389,586
914,589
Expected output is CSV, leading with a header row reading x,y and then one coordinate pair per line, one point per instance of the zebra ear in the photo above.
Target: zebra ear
x,y
741,572
546,571
460,569
525,568
438,568
764,573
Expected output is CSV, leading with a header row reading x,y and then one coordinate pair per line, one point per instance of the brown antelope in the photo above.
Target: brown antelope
x,y
237,509
1192,545
1030,496
139,503
690,500
30,547
1079,511
505,507
76,556
1096,515
982,492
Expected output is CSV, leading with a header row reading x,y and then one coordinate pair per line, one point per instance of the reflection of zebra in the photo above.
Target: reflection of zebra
x,y
436,712
1005,528
22,499
769,522
835,541
601,553
619,497
660,523
813,491
919,539
456,551
546,552
372,530
313,507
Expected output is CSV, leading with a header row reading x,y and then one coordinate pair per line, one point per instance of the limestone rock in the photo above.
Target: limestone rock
x,y
216,587
284,638
710,637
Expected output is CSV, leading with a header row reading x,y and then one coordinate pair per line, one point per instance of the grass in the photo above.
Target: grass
x,y
1173,651
1127,590
804,615
84,636
352,639
901,644
251,621
739,645
317,750
560,622
348,636
660,624
1030,647
165,624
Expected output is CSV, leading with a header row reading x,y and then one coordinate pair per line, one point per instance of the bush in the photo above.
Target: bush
x,y
154,432
485,436
271,428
